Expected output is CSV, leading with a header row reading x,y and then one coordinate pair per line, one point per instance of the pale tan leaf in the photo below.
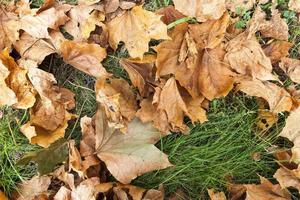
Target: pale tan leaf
x,y
288,177
234,5
294,5
131,154
291,67
216,195
278,98
277,50
135,28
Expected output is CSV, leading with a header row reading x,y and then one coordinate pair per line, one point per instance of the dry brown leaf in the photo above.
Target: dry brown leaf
x,y
86,190
2,196
49,117
63,194
131,154
211,33
291,67
35,188
169,14
135,28
288,177
277,50
16,90
34,49
266,119
215,77
266,190
140,72
246,57
295,94
216,195
85,57
233,5
118,99
37,25
203,10
291,131
278,98
294,5
89,25
130,191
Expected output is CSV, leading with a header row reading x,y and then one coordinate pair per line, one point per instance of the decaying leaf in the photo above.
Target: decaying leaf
x,y
35,188
203,10
236,5
278,98
266,119
16,89
246,57
291,67
56,154
49,116
118,99
291,131
89,25
266,190
85,57
277,50
131,154
169,14
135,28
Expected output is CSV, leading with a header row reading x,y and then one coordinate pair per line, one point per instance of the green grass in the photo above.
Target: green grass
x,y
215,152
12,145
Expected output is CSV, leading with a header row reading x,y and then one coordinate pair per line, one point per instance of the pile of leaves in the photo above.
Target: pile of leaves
x,y
180,58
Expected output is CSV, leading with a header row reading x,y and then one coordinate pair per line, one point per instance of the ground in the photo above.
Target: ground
x,y
227,147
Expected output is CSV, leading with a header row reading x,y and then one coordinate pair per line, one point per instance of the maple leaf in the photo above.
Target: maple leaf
x,y
291,131
118,99
266,190
37,25
246,57
131,154
136,28
48,117
278,98
140,72
291,67
85,57
203,10
277,50
15,86
35,188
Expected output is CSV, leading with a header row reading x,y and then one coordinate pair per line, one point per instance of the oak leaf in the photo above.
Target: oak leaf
x,y
85,57
278,98
203,10
131,154
136,28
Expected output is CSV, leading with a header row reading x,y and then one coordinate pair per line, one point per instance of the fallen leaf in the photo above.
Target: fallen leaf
x,y
277,50
288,177
140,72
216,195
89,25
2,196
278,98
266,119
135,28
294,5
203,10
37,25
169,14
56,154
35,188
85,57
246,57
291,131
292,68
86,190
215,77
118,99
131,154
266,190
63,194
